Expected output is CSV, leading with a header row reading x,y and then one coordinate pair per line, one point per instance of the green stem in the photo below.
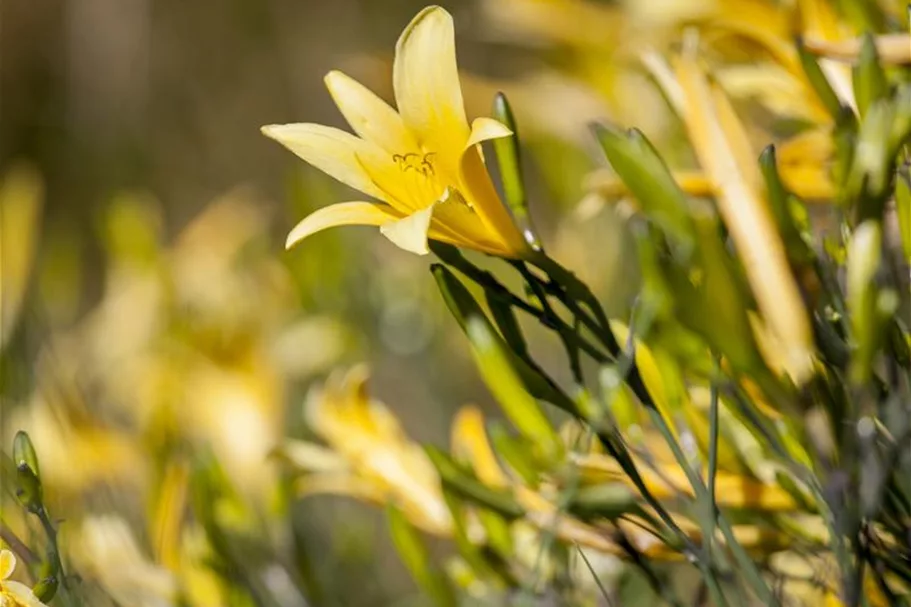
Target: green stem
x,y
53,548
712,513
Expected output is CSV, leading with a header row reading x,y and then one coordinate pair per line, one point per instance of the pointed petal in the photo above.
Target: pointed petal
x,y
450,220
371,118
7,564
456,223
342,214
479,191
331,150
484,129
410,233
426,82
469,440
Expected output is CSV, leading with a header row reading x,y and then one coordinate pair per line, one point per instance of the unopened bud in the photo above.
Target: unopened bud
x,y
46,588
28,474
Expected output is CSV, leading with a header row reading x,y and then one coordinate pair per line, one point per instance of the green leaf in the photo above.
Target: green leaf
x,y
901,125
607,500
870,308
869,77
903,209
516,452
464,484
845,137
869,180
818,81
517,404
646,175
484,564
509,161
899,344
414,555
712,302
863,15
505,318
499,535
780,204
463,307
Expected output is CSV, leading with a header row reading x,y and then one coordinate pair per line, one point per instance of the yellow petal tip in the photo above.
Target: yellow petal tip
x,y
410,233
333,76
291,240
270,130
432,11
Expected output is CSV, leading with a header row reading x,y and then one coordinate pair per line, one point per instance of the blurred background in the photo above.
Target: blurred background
x,y
150,314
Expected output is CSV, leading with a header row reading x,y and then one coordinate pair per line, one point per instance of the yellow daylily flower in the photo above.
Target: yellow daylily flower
x,y
370,456
12,593
422,163
110,554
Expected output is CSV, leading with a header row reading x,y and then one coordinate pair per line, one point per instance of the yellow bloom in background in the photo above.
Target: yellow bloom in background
x,y
422,162
12,593
111,555
21,193
721,145
369,456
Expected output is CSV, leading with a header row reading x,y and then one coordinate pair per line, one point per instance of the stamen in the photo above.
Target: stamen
x,y
418,163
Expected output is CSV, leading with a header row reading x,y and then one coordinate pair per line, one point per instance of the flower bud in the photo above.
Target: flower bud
x,y
28,474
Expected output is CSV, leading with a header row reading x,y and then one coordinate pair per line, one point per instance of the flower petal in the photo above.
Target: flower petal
x,y
7,564
410,233
484,129
480,190
342,214
469,440
331,150
22,594
370,117
480,193
456,223
426,82
311,457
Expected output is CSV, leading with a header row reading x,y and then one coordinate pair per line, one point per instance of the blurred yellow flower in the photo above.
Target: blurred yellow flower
x,y
722,147
12,593
370,457
110,554
422,162
21,193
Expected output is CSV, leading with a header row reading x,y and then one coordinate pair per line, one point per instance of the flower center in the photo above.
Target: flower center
x,y
419,163
419,182
423,184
